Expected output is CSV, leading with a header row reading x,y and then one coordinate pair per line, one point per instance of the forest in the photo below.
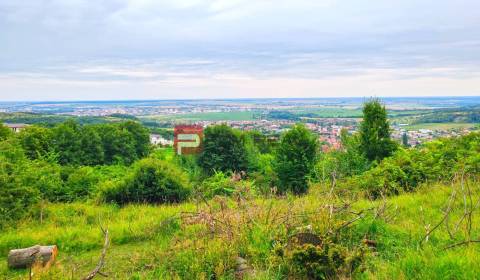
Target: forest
x,y
246,207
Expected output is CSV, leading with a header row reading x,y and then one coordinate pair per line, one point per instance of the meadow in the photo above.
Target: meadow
x,y
198,239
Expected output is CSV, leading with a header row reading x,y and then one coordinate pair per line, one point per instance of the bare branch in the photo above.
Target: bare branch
x,y
101,262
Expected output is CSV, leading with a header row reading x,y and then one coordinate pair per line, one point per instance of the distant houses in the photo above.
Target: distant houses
x,y
156,139
16,127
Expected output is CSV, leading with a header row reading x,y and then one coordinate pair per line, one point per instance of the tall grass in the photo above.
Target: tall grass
x,y
202,241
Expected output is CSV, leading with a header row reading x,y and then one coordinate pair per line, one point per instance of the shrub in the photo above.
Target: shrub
x,y
328,260
265,177
16,197
150,181
343,163
81,183
408,168
222,184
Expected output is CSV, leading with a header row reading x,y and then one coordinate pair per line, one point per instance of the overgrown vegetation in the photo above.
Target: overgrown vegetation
x,y
246,207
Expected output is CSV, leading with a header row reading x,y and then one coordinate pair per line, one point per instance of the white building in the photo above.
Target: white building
x,y
16,127
156,139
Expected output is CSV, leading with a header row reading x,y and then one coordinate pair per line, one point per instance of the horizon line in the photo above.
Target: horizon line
x,y
239,98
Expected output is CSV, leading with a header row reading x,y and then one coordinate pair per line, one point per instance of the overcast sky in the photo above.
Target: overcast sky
x,y
164,49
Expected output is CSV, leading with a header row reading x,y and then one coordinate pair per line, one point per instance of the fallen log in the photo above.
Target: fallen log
x,y
24,258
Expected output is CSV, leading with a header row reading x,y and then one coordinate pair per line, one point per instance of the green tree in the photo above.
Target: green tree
x,y
67,142
36,141
223,150
5,132
375,140
118,144
91,146
295,158
405,140
141,137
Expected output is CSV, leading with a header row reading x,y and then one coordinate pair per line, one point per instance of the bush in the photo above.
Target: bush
x,y
265,177
222,184
81,183
408,168
343,163
16,197
328,260
150,181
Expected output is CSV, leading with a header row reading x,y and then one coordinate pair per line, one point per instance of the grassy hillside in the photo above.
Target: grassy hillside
x,y
201,240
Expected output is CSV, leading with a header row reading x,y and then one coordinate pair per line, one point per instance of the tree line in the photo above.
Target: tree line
x,y
99,144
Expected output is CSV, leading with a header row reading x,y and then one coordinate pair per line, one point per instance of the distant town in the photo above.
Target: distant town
x,y
413,120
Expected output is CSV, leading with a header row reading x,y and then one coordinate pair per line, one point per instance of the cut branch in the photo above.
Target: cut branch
x,y
101,262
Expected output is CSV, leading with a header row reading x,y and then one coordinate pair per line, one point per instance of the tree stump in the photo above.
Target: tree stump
x,y
24,258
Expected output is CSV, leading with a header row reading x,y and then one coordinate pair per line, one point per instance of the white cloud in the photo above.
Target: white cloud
x,y
220,44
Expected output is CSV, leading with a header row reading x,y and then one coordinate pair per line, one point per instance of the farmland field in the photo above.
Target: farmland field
x,y
440,126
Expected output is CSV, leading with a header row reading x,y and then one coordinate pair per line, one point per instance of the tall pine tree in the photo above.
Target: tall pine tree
x,y
375,141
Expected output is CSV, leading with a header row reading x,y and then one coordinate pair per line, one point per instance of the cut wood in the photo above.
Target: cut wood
x,y
23,258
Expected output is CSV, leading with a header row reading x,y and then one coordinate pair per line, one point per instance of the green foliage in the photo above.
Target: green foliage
x,y
81,183
16,197
141,137
405,139
265,179
223,150
408,168
218,184
36,141
223,185
189,164
295,158
343,163
375,140
5,132
261,141
91,145
150,181
67,142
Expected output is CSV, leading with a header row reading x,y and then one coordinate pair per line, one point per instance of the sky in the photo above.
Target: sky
x,y
188,49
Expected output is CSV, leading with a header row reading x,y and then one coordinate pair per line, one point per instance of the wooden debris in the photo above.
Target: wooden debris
x,y
24,258
96,271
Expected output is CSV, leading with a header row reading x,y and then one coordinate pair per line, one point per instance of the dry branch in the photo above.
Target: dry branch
x,y
101,262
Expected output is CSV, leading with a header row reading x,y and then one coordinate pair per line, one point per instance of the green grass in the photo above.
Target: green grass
x,y
205,239
441,126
